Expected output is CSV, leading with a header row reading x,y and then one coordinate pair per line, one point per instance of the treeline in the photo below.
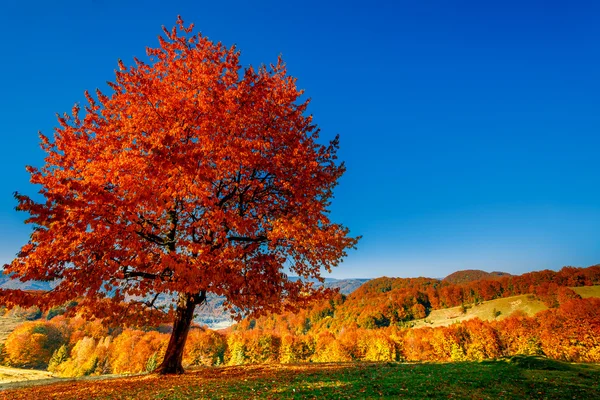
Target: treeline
x,y
386,302
74,347
570,332
371,324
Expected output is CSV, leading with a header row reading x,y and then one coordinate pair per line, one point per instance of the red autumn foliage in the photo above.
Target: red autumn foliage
x,y
193,177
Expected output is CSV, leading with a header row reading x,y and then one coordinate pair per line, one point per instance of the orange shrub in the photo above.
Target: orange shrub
x,y
296,348
204,347
329,349
132,349
32,344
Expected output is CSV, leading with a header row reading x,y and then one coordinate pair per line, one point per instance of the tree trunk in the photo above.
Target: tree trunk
x,y
184,314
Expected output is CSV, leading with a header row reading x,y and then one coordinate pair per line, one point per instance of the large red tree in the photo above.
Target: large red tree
x,y
195,176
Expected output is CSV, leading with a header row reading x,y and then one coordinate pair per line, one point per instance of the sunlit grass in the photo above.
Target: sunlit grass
x,y
587,291
486,311
517,377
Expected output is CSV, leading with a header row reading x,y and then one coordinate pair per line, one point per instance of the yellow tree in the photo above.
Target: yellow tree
x,y
205,347
194,176
32,344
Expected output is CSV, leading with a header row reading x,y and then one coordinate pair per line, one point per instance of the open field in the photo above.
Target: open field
x,y
7,325
587,291
517,377
8,374
487,311
495,309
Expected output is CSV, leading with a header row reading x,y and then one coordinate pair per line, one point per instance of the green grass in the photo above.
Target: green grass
x,y
512,378
587,291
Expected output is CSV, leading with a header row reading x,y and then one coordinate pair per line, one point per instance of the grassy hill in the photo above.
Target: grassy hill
x,y
587,291
517,377
8,375
495,309
486,311
7,325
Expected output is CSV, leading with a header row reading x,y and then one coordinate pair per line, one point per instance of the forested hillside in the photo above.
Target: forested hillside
x,y
387,302
470,275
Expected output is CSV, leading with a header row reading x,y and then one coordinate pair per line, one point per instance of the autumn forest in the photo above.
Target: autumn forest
x,y
373,323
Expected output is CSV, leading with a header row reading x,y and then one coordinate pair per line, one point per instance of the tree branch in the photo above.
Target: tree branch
x,y
199,297
152,238
137,274
258,239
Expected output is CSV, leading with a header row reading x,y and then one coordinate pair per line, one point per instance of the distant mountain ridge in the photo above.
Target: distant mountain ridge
x,y
211,313
471,275
6,282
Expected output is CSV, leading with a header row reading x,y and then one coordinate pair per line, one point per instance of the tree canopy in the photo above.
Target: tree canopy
x,y
194,176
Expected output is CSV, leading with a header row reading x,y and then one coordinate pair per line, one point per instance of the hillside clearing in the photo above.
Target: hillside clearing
x,y
7,325
8,375
495,309
517,377
587,291
486,311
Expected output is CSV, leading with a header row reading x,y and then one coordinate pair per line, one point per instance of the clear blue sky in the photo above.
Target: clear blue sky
x,y
470,129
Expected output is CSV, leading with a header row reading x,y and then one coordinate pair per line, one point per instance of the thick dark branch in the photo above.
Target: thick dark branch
x,y
147,221
165,275
227,197
258,239
199,297
150,304
137,274
152,238
173,218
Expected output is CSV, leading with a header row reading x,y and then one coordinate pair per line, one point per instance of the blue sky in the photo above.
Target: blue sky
x,y
470,129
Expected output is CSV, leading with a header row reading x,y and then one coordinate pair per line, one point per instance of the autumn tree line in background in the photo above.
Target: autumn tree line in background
x,y
372,324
